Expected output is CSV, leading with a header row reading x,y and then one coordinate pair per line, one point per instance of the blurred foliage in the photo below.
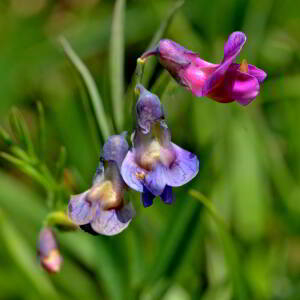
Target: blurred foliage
x,y
250,167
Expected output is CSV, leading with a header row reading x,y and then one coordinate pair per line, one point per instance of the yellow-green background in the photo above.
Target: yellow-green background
x,y
249,156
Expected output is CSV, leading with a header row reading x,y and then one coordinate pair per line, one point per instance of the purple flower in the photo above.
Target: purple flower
x,y
148,109
224,82
103,206
48,252
154,164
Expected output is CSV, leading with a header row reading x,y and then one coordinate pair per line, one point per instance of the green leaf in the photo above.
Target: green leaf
x,y
60,165
27,169
21,130
89,82
20,153
21,202
116,60
150,66
25,258
209,206
42,130
175,240
161,84
230,251
5,137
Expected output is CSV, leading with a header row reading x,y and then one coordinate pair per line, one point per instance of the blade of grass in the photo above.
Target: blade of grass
x,y
230,251
25,258
21,130
5,137
209,206
116,60
161,84
42,130
91,87
60,165
175,241
27,169
150,66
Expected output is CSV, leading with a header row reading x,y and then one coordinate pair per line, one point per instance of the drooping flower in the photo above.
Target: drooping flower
x,y
154,164
48,251
224,82
103,207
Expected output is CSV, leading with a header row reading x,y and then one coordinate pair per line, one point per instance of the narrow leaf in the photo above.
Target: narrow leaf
x,y
209,206
230,251
60,165
42,130
27,169
165,24
150,66
175,240
21,130
116,60
91,87
5,137
25,258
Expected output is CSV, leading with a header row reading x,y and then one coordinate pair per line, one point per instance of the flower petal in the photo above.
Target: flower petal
x,y
80,210
155,180
258,73
132,174
148,109
110,222
238,86
47,241
232,49
167,195
147,197
115,149
234,45
252,70
183,169
126,213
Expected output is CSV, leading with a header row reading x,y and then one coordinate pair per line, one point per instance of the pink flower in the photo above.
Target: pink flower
x,y
224,82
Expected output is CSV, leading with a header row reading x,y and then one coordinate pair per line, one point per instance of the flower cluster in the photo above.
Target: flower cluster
x,y
154,165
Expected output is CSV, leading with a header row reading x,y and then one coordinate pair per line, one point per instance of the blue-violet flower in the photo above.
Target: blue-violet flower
x,y
154,164
103,206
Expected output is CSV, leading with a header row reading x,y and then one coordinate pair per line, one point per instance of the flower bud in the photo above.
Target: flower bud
x,y
48,251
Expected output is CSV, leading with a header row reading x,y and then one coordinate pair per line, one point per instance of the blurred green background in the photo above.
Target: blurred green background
x,y
249,156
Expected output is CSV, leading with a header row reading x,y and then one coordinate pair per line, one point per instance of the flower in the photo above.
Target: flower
x,y
154,164
224,82
103,207
48,252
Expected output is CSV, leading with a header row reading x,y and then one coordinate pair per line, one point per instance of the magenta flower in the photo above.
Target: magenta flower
x,y
48,252
102,208
224,82
154,164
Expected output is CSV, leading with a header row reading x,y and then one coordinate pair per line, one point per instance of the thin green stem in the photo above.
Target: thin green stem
x,y
209,206
89,82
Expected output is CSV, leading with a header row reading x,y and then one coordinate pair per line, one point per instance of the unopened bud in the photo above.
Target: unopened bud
x,y
48,251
